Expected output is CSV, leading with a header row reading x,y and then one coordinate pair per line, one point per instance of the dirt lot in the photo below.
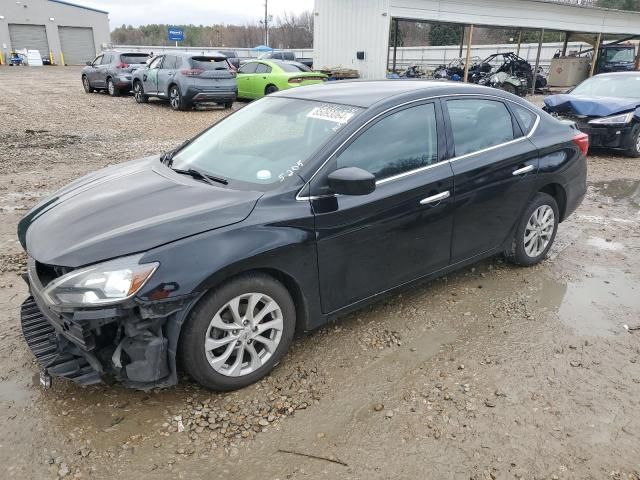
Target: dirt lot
x,y
494,372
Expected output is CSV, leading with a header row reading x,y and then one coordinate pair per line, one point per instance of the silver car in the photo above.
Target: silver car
x,y
112,71
186,79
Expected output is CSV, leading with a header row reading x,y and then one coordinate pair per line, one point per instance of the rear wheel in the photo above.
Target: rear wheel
x,y
138,92
176,100
86,84
238,333
228,105
270,89
112,89
535,232
634,149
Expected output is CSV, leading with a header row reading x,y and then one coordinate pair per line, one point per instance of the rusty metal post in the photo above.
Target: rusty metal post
x,y
395,46
468,59
565,44
535,71
596,51
519,41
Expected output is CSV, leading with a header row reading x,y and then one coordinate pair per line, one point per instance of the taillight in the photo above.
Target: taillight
x,y
122,65
582,141
296,80
194,72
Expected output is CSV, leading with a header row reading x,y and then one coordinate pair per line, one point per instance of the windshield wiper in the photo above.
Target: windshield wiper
x,y
167,157
199,174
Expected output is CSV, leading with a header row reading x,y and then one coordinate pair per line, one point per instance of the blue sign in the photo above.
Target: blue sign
x,y
176,34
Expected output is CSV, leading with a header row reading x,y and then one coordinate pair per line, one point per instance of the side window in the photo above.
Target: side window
x,y
262,68
169,62
526,118
156,62
400,142
106,59
478,124
249,68
98,60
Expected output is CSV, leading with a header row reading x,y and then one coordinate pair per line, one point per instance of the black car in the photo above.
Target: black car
x,y
296,209
112,71
606,107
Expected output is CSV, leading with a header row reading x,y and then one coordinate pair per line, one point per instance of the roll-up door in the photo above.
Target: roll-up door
x,y
30,37
77,44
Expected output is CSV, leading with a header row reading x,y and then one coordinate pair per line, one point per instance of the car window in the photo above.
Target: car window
x,y
403,141
134,58
106,59
98,60
479,124
209,63
526,117
262,68
248,68
293,66
156,62
169,62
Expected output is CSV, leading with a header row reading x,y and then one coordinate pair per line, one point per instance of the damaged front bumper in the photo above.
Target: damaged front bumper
x,y
134,343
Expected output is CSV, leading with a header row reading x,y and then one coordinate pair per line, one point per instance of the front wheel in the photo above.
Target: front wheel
x,y
176,100
86,85
634,149
138,93
536,231
112,89
238,333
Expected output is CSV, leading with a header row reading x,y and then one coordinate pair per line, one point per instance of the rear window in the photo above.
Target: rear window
x,y
293,67
209,63
134,58
526,117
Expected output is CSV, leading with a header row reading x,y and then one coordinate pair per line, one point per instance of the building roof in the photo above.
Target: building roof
x,y
365,93
79,6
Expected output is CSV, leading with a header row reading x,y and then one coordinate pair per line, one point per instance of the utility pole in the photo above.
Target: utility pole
x,y
266,23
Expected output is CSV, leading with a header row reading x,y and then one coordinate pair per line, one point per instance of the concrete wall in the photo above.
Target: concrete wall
x,y
39,12
343,27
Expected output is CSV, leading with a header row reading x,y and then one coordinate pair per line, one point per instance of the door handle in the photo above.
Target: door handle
x,y
523,170
435,198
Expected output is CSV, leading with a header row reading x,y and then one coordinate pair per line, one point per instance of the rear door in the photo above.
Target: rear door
x,y
261,79
166,74
400,232
495,167
103,69
246,75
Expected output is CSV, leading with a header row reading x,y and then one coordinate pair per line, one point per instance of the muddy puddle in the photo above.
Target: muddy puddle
x,y
620,189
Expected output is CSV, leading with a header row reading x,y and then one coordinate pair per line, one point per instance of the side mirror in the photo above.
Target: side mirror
x,y
352,181
89,64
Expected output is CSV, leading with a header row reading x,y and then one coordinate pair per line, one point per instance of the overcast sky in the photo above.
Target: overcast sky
x,y
206,12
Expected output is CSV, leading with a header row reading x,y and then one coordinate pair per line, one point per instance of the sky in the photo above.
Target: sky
x,y
206,12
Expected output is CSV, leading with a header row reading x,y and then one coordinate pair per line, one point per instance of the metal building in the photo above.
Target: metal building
x,y
355,33
65,31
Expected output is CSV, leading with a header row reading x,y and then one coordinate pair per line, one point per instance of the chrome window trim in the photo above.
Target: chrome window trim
x,y
427,167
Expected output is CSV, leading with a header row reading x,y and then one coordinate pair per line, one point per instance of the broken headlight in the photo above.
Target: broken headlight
x,y
101,284
614,120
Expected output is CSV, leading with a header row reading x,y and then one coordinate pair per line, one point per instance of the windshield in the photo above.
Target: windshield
x,y
621,86
613,55
265,142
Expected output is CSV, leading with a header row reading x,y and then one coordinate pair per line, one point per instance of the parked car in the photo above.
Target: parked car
x,y
607,107
262,77
232,57
185,80
298,208
287,56
112,71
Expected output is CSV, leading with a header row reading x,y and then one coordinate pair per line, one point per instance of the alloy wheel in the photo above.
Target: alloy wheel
x,y
244,334
111,87
174,98
85,84
137,92
539,231
638,143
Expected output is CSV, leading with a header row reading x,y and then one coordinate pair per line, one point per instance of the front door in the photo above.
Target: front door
x,y
401,231
494,168
150,76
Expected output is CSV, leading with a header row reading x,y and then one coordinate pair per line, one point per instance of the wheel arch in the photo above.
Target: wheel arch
x,y
270,84
559,194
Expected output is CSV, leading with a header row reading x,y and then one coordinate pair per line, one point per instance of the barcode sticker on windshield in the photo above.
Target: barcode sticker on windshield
x,y
339,114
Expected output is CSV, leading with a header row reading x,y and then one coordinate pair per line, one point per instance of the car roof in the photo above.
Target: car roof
x,y
618,74
365,93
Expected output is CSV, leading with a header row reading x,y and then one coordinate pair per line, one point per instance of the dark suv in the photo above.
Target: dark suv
x,y
112,71
186,79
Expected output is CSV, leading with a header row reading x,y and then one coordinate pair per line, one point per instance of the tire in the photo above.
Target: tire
x,y
634,149
270,89
138,92
229,105
86,84
219,368
530,251
112,89
176,100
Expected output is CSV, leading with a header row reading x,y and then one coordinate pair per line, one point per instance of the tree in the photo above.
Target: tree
x,y
629,5
446,34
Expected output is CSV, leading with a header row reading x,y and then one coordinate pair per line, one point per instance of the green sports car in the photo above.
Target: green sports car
x,y
257,78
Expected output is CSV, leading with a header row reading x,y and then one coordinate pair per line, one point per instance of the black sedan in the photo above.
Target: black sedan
x,y
298,208
606,107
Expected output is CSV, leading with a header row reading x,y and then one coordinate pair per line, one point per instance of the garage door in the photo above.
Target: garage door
x,y
31,37
77,45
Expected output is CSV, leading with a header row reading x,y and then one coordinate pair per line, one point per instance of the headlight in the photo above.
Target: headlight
x,y
615,120
101,284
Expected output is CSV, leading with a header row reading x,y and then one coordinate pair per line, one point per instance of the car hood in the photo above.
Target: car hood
x,y
126,209
590,106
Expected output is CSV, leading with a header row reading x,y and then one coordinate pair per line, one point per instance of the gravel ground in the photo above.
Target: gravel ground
x,y
494,372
